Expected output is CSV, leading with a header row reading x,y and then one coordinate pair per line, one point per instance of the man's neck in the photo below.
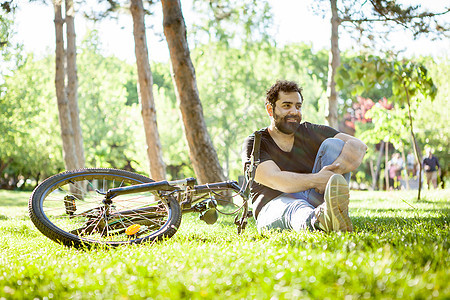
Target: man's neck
x,y
283,140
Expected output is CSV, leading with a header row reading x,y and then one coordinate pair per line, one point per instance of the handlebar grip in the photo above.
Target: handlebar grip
x,y
186,181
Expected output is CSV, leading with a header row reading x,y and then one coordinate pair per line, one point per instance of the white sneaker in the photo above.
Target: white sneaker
x,y
332,215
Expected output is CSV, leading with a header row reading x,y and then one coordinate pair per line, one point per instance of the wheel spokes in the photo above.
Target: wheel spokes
x,y
77,205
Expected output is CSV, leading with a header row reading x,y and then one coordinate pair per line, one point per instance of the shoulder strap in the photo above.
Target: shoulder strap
x,y
256,145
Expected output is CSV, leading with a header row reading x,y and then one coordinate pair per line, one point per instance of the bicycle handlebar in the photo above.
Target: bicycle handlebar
x,y
204,188
174,185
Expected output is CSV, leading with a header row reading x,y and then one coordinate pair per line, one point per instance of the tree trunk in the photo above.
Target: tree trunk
x,y
333,64
386,168
372,173
405,168
4,164
416,148
69,156
72,84
148,110
201,151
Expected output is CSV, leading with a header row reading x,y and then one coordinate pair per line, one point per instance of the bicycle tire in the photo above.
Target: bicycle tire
x,y
68,208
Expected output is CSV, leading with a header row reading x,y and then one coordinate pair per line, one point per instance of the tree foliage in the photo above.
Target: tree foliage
x,y
232,23
23,85
29,142
405,77
113,133
110,118
432,117
411,83
375,20
10,53
362,16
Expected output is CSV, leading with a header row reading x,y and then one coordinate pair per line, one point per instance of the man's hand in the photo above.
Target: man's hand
x,y
322,177
351,155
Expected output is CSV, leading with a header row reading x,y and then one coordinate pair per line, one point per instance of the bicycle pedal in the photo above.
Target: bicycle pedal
x,y
69,203
209,216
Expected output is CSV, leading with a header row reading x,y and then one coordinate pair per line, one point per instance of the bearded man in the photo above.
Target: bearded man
x,y
302,179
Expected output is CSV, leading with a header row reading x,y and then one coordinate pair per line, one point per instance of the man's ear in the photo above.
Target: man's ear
x,y
269,109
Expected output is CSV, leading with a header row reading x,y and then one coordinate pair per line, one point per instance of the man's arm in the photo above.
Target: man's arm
x,y
351,155
438,166
269,174
437,162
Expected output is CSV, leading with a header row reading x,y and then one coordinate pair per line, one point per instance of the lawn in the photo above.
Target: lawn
x,y
400,249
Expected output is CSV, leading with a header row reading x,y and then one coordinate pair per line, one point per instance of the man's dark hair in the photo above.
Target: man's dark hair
x,y
282,86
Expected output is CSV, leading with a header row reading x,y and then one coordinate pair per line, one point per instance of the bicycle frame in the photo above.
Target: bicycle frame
x,y
186,189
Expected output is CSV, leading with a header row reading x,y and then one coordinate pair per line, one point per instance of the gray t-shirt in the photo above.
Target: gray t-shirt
x,y
300,159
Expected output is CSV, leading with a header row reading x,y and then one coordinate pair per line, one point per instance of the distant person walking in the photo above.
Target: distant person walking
x,y
431,167
395,166
411,167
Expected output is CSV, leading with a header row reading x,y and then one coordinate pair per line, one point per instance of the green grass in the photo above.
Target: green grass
x,y
400,249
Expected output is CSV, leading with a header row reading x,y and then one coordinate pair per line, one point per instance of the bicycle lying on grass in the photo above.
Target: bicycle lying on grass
x,y
112,207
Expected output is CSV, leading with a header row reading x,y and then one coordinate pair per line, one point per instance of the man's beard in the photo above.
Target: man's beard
x,y
284,126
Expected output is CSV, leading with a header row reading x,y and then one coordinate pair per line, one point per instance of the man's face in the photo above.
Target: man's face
x,y
287,113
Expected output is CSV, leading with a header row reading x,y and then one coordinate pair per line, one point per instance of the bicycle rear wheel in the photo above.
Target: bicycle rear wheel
x,y
69,209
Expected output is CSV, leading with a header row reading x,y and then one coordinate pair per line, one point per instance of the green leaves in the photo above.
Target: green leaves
x,y
30,136
406,78
231,23
388,125
410,79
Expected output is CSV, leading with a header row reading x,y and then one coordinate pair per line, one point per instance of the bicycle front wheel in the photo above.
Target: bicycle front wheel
x,y
69,208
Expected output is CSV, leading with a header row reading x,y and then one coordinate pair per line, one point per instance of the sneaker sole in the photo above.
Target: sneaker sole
x,y
337,198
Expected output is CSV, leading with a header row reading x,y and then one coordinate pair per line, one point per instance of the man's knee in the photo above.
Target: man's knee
x,y
332,145
329,151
